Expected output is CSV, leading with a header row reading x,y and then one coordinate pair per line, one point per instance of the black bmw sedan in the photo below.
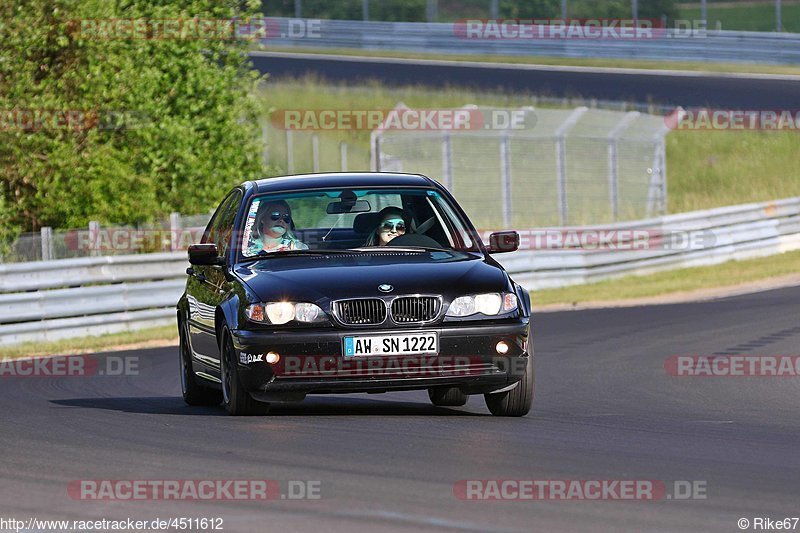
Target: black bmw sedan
x,y
351,282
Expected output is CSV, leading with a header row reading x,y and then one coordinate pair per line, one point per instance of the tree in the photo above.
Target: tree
x,y
654,9
648,9
94,126
533,9
388,10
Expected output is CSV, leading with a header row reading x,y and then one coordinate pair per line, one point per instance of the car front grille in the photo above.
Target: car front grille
x,y
361,312
414,309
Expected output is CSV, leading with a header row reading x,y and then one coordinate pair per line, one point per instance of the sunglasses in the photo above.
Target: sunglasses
x,y
398,226
277,216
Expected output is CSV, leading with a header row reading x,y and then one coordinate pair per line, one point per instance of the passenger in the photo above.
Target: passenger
x,y
393,223
274,230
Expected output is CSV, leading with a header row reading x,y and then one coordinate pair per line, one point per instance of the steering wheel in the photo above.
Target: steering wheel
x,y
414,239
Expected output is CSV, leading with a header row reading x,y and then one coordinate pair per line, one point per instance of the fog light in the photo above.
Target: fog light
x,y
502,347
272,358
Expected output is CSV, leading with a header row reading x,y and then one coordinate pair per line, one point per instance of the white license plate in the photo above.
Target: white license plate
x,y
407,344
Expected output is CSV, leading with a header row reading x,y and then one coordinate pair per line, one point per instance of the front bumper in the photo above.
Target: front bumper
x,y
312,361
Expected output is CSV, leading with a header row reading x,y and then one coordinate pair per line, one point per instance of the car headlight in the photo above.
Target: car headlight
x,y
279,312
492,303
305,312
284,312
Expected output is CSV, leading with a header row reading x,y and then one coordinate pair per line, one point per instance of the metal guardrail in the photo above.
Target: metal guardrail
x,y
41,275
63,303
51,300
736,232
448,38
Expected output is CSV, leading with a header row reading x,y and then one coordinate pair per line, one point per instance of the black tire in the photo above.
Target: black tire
x,y
193,392
517,401
235,398
447,396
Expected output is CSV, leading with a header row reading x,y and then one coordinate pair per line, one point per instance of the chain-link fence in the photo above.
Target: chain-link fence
x,y
563,167
292,151
175,233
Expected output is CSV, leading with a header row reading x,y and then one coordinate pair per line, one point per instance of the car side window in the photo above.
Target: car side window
x,y
220,229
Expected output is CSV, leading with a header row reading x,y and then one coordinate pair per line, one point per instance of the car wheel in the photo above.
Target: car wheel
x,y
447,396
235,398
193,392
517,401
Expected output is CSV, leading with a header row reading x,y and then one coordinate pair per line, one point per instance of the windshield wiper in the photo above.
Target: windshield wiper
x,y
401,249
290,253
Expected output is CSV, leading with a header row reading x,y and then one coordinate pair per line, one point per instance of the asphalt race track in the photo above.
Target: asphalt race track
x,y
605,409
668,89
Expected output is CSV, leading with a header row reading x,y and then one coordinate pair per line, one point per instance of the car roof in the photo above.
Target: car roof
x,y
341,179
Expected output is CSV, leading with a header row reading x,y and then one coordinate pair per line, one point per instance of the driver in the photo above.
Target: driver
x,y
393,223
274,227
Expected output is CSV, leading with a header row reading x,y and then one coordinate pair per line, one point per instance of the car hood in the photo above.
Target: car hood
x,y
321,278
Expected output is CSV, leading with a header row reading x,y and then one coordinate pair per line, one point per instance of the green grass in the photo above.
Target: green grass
x,y
717,168
694,66
755,17
706,169
728,274
91,344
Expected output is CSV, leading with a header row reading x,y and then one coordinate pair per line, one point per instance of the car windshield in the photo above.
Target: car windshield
x,y
352,219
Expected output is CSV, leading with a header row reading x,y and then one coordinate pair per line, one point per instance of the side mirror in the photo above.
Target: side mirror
x,y
503,241
204,254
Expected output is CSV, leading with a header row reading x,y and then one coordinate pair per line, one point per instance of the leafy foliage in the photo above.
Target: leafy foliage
x,y
162,124
389,10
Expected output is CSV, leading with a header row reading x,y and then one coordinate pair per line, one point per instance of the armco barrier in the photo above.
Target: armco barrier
x,y
739,232
81,271
52,300
445,38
